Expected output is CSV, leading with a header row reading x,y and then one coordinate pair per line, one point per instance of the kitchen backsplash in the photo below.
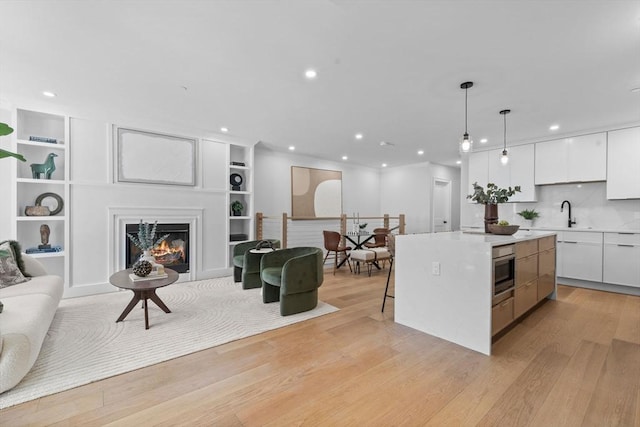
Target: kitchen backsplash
x,y
589,207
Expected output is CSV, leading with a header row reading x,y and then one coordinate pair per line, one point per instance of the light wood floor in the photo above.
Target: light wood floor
x,y
573,362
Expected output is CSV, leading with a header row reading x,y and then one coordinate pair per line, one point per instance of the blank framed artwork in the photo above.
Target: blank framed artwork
x,y
153,158
315,193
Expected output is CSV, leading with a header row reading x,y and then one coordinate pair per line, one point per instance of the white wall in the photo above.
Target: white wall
x,y
408,189
272,185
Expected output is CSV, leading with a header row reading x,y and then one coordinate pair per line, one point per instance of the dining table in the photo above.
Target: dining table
x,y
361,237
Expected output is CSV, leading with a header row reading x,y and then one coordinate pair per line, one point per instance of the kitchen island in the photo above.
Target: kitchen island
x,y
444,283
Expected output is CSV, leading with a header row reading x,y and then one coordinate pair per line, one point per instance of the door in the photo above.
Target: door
x,y
441,205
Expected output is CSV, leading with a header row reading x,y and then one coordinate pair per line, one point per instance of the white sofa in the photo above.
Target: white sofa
x,y
28,311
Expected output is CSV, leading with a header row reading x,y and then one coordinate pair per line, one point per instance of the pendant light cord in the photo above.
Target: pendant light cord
x,y
465,110
505,132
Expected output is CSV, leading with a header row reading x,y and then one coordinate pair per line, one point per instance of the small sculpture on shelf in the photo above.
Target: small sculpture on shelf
x,y
46,168
45,232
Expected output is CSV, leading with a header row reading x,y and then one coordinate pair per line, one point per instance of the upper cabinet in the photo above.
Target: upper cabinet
x,y
486,167
623,164
518,171
577,159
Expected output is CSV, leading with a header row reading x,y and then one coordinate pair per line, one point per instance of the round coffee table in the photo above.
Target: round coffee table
x,y
142,291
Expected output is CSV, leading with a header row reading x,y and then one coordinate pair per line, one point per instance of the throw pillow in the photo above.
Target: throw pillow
x,y
17,254
10,274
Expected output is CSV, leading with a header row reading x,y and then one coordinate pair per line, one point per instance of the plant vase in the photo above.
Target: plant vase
x,y
528,223
490,215
148,256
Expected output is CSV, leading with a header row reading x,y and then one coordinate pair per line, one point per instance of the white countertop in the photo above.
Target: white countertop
x,y
590,229
477,236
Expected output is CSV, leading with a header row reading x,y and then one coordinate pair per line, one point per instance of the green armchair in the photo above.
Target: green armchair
x,y
292,276
248,271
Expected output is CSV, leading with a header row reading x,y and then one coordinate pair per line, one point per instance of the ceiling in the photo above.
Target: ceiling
x,y
388,69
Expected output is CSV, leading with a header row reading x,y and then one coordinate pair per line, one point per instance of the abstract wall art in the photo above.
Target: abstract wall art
x,y
315,193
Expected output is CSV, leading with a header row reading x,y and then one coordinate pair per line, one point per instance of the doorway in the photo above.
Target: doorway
x,y
441,205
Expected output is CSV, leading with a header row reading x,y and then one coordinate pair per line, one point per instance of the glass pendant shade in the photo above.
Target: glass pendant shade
x,y
504,159
465,144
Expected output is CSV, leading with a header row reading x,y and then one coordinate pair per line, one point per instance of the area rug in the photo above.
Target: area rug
x,y
85,344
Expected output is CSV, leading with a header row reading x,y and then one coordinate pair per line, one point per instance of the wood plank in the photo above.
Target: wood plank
x,y
614,402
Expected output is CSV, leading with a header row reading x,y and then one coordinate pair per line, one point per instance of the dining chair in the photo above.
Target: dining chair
x,y
391,247
379,238
332,244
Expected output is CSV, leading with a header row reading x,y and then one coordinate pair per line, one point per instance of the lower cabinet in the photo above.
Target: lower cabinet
x,y
621,255
580,255
535,279
526,296
546,273
501,315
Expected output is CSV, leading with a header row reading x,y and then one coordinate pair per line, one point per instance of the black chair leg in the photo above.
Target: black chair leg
x,y
386,289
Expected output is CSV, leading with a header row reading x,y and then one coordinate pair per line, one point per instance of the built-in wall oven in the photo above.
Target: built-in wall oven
x,y
504,272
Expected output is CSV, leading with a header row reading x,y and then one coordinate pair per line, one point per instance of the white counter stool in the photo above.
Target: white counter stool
x,y
369,257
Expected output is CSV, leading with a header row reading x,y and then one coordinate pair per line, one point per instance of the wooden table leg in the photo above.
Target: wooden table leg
x,y
155,298
132,303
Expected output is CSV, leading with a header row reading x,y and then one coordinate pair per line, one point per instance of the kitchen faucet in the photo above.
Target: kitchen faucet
x,y
562,206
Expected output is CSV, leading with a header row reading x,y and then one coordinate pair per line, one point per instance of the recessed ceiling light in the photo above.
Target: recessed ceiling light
x,y
384,165
554,127
635,90
49,94
420,152
345,158
311,74
224,129
358,136
483,141
458,162
291,148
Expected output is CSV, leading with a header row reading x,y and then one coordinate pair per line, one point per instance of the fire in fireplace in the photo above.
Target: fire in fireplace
x,y
173,252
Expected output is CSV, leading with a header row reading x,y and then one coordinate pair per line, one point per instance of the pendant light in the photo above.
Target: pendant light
x,y
505,157
466,143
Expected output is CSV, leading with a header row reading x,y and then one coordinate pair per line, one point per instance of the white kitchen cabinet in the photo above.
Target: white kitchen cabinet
x,y
580,255
478,172
622,259
623,164
577,159
520,170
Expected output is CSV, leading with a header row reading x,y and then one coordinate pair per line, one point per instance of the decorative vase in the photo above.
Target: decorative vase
x,y
147,256
237,213
490,215
528,223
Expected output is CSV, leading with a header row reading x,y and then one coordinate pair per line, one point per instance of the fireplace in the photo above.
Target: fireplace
x,y
173,252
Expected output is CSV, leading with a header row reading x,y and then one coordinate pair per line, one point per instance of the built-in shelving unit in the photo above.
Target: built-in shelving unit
x,y
240,163
28,229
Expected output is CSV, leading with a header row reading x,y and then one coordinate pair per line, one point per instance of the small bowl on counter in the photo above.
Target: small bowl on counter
x,y
506,230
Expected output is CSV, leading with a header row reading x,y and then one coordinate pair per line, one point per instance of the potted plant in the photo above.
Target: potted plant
x,y
529,215
237,208
5,129
490,199
146,240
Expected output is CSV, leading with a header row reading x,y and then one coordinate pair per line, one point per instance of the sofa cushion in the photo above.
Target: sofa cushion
x,y
47,285
17,255
10,274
